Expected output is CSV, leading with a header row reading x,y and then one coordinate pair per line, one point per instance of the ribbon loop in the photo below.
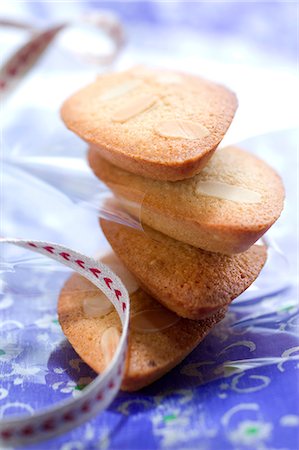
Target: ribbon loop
x,y
103,389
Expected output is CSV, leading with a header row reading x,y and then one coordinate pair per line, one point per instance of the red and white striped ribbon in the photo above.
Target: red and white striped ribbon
x,y
13,71
101,391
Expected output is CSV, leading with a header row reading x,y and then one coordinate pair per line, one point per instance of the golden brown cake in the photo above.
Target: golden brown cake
x,y
159,124
158,338
226,208
191,282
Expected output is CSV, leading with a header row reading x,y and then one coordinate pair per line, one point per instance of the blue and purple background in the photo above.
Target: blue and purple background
x,y
239,388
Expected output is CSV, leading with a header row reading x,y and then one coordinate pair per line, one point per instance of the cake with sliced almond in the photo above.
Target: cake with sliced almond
x,y
158,338
226,208
160,124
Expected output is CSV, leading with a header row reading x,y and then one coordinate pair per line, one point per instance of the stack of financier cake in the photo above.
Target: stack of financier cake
x,y
153,136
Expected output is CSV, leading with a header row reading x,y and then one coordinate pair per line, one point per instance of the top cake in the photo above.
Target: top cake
x,y
159,124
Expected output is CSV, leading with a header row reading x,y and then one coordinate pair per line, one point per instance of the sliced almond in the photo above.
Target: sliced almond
x,y
169,78
134,108
181,129
109,342
226,191
120,90
97,305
